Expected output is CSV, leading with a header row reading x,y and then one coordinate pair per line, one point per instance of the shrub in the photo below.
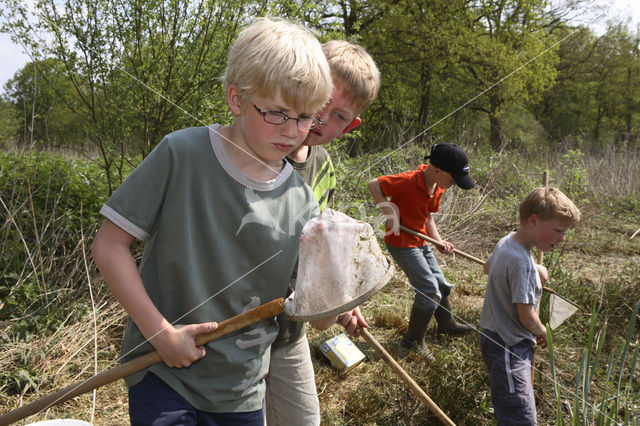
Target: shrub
x,y
50,205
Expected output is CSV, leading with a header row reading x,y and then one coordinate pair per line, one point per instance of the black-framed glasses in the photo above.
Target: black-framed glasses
x,y
279,117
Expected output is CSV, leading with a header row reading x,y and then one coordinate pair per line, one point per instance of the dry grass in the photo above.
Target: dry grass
x,y
66,356
599,253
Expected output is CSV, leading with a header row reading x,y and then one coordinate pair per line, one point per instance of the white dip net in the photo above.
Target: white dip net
x,y
559,310
340,266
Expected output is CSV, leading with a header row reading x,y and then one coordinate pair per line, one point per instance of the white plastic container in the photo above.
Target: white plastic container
x,y
342,353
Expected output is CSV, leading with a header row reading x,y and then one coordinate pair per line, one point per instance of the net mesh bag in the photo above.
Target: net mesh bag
x,y
340,265
559,310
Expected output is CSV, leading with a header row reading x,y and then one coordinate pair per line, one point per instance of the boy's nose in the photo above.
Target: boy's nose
x,y
290,128
323,116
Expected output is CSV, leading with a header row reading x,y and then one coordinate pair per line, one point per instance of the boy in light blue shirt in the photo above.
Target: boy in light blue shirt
x,y
511,326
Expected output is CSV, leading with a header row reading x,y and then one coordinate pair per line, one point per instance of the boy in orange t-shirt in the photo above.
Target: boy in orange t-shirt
x,y
413,196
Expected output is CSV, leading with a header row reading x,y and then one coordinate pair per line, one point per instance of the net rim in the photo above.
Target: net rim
x,y
344,307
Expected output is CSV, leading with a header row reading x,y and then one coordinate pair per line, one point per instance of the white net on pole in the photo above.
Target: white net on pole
x,y
559,310
340,265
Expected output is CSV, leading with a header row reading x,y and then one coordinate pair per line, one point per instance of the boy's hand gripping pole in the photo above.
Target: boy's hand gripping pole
x,y
225,327
439,244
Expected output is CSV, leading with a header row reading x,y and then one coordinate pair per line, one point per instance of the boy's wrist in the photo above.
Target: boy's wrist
x,y
159,335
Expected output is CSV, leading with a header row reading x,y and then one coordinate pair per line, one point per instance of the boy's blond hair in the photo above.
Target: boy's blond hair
x,y
354,70
549,203
272,55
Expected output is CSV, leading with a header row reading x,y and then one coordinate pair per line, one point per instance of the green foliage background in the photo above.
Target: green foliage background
x,y
111,78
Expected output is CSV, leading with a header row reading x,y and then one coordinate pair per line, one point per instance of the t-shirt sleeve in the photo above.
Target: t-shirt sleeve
x,y
489,260
135,205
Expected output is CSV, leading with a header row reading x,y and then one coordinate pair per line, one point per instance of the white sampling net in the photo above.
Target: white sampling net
x,y
559,310
340,265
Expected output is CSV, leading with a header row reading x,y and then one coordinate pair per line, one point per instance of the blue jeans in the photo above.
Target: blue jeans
x,y
510,377
153,402
424,273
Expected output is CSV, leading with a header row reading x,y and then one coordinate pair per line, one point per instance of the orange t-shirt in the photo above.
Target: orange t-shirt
x,y
408,191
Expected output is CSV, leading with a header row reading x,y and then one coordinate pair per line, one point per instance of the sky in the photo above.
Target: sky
x,y
13,57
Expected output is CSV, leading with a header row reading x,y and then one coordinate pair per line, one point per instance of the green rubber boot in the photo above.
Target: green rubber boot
x,y
446,323
414,338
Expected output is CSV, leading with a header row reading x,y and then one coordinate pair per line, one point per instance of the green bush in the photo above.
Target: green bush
x,y
50,204
574,180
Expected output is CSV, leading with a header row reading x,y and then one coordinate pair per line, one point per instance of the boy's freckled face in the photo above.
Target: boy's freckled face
x,y
550,233
271,142
336,116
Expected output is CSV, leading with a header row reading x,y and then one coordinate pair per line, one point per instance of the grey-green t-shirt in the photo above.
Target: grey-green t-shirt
x,y
217,243
513,279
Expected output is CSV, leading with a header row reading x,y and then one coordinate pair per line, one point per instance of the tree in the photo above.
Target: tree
x,y
9,123
597,88
509,60
564,111
139,68
617,83
35,92
418,46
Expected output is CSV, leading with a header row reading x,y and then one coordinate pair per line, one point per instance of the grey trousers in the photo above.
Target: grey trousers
x,y
424,273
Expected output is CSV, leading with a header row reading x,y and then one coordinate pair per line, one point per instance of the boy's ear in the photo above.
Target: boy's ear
x,y
354,123
234,99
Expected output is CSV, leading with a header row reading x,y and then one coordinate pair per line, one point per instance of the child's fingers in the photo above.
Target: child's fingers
x,y
361,321
205,327
352,327
202,350
349,321
344,319
183,351
447,248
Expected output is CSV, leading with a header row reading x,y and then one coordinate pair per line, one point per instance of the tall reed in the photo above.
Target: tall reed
x,y
615,401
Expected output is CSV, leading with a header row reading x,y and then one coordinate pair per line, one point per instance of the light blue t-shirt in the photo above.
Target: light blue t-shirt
x,y
513,279
217,243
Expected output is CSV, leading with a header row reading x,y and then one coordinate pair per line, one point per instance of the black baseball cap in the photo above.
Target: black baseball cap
x,y
452,159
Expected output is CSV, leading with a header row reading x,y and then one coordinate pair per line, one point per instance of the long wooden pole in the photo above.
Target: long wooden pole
x,y
228,326
417,390
439,244
459,252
